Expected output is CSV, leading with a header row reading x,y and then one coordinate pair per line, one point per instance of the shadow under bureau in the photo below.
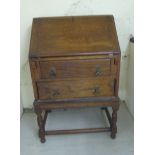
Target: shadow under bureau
x,y
74,62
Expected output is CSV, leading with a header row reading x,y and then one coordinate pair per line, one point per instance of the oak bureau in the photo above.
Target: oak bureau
x,y
75,62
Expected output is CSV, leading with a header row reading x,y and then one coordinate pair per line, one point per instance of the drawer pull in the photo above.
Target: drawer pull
x,y
55,93
98,71
52,72
96,90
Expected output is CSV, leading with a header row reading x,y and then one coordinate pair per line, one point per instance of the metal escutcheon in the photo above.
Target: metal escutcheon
x,y
55,93
96,90
98,71
52,72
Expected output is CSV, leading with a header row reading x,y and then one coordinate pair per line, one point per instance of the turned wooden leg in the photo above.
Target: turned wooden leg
x,y
41,125
114,120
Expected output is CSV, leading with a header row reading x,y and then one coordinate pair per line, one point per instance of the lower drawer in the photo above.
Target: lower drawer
x,y
75,88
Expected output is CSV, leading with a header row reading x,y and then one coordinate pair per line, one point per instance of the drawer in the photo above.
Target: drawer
x,y
76,88
75,68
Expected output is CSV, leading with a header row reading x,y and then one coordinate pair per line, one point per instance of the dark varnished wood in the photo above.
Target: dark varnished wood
x,y
76,88
73,131
81,35
76,131
48,104
74,63
45,117
108,115
75,68
114,120
41,124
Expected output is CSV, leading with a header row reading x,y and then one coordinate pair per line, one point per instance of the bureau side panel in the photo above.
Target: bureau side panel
x,y
117,63
34,75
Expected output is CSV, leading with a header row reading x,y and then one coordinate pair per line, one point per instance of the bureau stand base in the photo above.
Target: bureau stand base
x,y
76,131
42,117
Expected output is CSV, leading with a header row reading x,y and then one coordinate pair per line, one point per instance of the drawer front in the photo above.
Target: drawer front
x,y
76,88
74,68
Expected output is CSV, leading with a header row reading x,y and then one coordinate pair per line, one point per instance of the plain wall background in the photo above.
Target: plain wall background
x,y
121,9
129,97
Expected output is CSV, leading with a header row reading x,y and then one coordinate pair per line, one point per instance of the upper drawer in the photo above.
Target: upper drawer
x,y
75,68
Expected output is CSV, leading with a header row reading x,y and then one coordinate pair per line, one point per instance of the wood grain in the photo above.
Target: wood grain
x,y
75,68
74,63
79,35
75,88
77,131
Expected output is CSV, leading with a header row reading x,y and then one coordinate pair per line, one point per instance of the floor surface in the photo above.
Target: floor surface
x,y
78,144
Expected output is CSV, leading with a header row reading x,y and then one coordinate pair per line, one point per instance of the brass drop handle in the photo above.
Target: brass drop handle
x,y
55,93
96,90
52,72
98,71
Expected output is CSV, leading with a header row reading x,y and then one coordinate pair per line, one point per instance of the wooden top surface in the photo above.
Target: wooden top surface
x,y
69,36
